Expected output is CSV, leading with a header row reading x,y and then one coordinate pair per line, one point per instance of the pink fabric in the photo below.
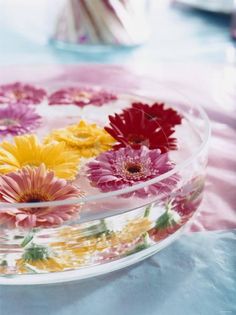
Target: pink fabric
x,y
213,87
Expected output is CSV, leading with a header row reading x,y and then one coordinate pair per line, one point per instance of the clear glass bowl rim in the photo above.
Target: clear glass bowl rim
x,y
85,199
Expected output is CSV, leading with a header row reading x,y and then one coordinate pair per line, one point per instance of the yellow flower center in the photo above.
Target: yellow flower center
x,y
18,94
82,136
79,139
82,97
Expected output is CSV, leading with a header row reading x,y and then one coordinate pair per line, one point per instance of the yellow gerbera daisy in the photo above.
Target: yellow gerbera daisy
x,y
134,229
47,264
87,140
80,246
36,258
3,269
83,246
26,150
75,252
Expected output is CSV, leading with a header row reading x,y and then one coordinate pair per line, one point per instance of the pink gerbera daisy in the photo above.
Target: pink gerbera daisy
x,y
36,185
17,120
80,97
113,170
132,128
21,93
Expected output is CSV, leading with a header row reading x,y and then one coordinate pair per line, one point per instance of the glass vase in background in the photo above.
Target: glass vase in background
x,y
102,23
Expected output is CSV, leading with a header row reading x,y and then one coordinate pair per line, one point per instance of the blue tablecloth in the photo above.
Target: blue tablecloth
x,y
195,275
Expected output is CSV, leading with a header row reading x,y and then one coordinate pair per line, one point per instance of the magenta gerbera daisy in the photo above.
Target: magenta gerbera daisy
x,y
18,120
132,128
80,97
36,185
21,93
165,117
117,169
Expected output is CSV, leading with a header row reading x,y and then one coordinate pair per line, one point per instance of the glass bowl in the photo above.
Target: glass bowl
x,y
81,229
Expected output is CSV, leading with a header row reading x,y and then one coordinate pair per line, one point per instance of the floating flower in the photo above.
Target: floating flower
x,y
16,120
75,250
87,140
160,234
3,267
73,237
131,128
124,247
53,264
36,185
21,93
36,258
80,97
164,117
104,246
166,224
26,150
82,248
134,230
125,167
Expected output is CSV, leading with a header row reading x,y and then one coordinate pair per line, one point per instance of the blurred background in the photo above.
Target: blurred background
x,y
135,32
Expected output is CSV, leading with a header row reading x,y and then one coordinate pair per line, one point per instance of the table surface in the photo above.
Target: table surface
x,y
196,274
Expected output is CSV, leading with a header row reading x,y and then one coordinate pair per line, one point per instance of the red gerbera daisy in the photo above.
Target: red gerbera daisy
x,y
165,117
132,128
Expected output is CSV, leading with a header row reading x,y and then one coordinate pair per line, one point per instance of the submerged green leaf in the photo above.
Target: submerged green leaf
x,y
35,252
165,220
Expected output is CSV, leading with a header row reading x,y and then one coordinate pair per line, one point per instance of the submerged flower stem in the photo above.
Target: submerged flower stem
x,y
140,246
147,210
99,229
28,238
30,269
165,220
168,205
103,225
